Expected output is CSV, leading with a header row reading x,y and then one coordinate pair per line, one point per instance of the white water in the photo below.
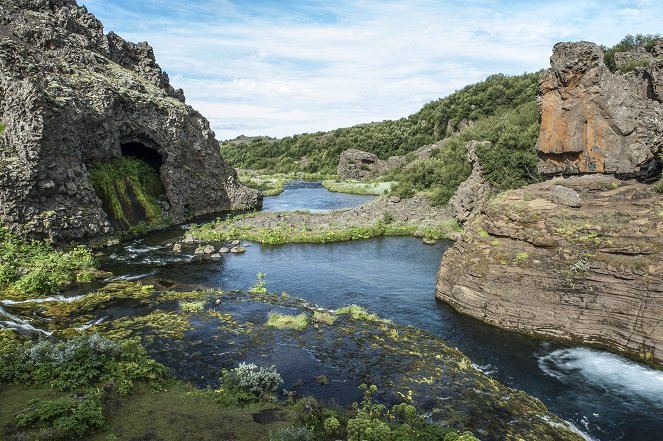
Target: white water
x,y
42,300
610,373
17,323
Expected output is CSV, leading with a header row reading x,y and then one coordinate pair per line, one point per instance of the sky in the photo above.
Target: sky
x,y
278,68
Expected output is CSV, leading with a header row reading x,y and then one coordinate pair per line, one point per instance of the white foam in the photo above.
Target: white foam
x,y
17,323
608,372
43,300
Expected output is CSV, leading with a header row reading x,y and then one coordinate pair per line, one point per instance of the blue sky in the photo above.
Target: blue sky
x,y
268,67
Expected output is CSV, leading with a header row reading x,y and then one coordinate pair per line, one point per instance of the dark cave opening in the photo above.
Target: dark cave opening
x,y
146,154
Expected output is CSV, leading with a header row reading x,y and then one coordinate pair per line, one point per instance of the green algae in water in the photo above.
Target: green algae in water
x,y
129,189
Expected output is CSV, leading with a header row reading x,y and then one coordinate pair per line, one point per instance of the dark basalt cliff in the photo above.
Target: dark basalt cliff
x,y
71,97
577,259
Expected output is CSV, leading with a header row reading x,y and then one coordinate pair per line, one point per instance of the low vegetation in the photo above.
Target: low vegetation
x,y
281,233
129,190
319,152
357,187
628,43
286,321
36,269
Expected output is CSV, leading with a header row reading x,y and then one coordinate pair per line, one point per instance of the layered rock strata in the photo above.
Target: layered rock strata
x,y
575,259
71,97
596,121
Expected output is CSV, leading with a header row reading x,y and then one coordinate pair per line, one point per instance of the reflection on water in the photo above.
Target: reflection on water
x,y
311,196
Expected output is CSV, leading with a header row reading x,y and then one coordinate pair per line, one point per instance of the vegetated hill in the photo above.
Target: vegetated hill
x,y
319,152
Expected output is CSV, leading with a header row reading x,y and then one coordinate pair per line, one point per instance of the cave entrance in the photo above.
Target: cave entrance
x,y
130,187
146,154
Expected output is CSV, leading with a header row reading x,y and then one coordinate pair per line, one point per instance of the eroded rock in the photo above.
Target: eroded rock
x,y
71,97
532,263
596,121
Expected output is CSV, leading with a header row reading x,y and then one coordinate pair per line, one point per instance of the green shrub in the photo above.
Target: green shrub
x,y
627,44
386,138
36,268
261,382
64,418
81,362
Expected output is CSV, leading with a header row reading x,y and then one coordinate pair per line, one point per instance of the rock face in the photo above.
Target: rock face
x,y
358,164
596,121
71,97
472,192
576,259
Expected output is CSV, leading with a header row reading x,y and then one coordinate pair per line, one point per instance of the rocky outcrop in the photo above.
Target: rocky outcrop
x,y
575,259
71,97
472,192
358,164
596,121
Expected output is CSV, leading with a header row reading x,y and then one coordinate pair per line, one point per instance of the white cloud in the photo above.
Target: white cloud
x,y
304,67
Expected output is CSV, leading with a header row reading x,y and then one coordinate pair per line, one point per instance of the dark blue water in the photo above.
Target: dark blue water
x,y
300,195
604,395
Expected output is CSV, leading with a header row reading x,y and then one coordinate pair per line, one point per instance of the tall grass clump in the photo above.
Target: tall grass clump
x,y
129,189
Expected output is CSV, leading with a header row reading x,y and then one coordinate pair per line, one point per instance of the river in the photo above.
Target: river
x,y
604,395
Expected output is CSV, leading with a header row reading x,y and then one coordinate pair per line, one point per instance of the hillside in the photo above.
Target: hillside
x,y
319,152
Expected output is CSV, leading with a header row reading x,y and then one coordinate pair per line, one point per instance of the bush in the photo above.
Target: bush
x,y
64,418
387,138
627,44
80,362
36,268
262,382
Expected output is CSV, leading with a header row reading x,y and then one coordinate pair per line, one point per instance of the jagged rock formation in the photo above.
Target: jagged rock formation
x,y
578,259
472,192
358,164
71,97
596,121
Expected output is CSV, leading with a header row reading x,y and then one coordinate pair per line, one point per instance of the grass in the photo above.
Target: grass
x,y
359,313
128,189
192,306
2,128
358,187
37,269
285,321
282,233
323,317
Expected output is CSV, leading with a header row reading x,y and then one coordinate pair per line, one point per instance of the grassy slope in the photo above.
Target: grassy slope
x,y
321,150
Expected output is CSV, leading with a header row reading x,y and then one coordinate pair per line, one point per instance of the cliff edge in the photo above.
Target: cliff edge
x,y
577,258
72,97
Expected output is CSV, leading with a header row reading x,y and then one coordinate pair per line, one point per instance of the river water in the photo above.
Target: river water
x,y
604,395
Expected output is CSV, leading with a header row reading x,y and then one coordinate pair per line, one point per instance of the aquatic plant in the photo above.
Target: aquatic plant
x,y
326,318
284,321
359,313
259,287
192,306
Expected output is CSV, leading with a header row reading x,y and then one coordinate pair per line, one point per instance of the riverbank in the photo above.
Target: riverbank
x,y
357,187
386,216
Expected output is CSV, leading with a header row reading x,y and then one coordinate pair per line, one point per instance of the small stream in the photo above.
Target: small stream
x,y
604,395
